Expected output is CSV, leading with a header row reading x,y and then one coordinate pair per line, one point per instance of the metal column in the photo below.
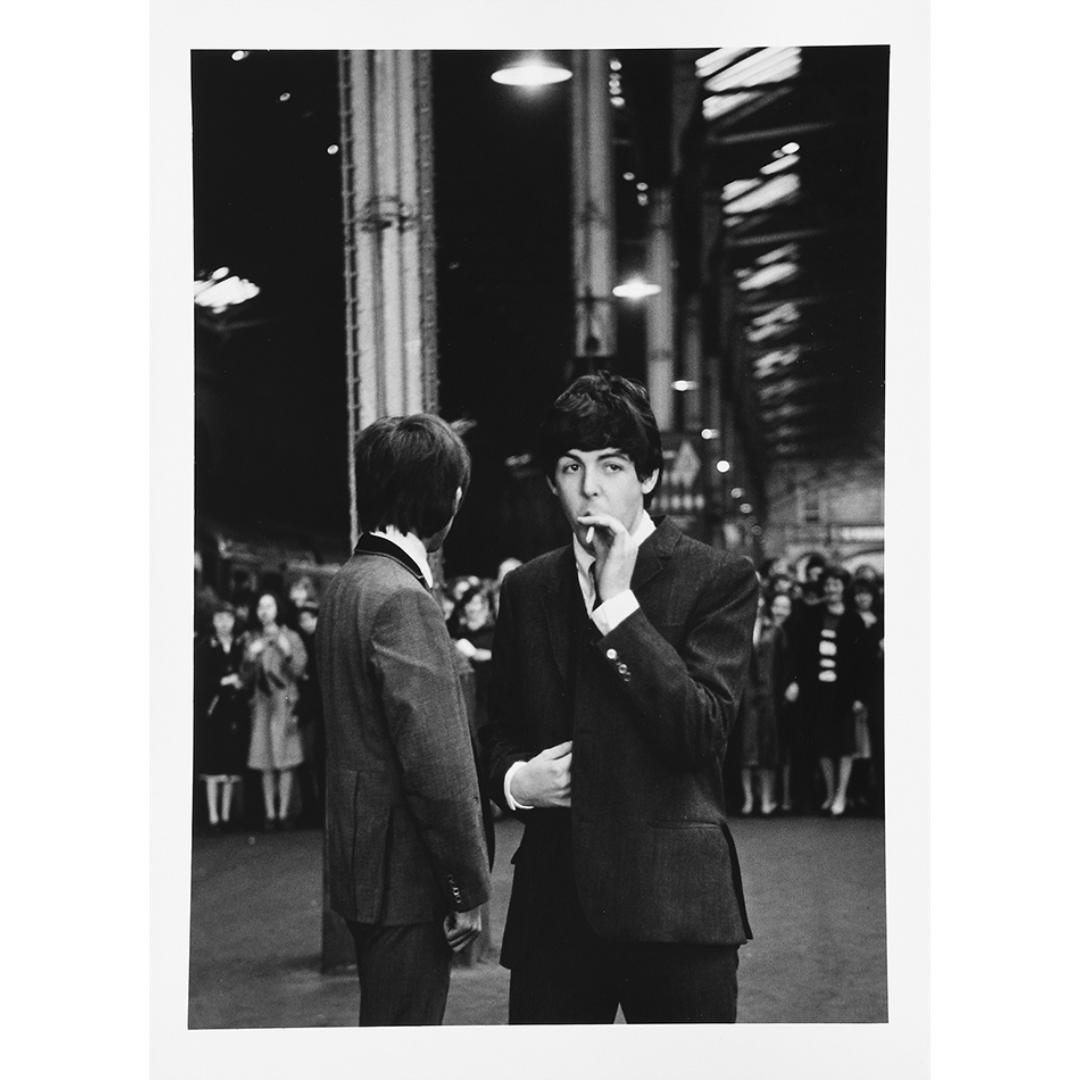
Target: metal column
x,y
592,207
660,313
389,232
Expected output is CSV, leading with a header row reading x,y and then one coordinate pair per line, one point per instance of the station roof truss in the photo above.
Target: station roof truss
x,y
794,155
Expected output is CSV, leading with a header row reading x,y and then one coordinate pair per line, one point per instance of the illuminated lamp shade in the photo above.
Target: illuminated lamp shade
x,y
635,289
531,71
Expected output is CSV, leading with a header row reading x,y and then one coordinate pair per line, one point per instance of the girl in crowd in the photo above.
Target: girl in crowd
x,y
274,660
827,684
221,738
473,630
761,707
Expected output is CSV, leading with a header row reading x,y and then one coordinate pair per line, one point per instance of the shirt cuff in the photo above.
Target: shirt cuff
x,y
510,800
611,612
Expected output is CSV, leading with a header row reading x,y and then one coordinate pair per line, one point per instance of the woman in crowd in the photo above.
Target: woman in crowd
x,y
870,727
759,715
221,710
780,608
274,660
827,684
473,630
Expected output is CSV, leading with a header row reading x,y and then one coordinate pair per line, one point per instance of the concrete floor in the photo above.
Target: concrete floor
x,y
815,892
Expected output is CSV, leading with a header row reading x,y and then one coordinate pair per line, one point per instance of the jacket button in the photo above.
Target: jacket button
x,y
611,654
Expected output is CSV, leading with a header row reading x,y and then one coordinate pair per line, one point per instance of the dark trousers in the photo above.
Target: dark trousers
x,y
655,983
404,973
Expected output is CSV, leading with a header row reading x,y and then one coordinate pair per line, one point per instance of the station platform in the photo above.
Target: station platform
x,y
815,891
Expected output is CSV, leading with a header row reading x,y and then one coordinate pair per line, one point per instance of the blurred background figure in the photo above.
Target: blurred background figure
x,y
508,564
221,712
472,628
760,711
871,739
312,771
274,660
787,734
826,684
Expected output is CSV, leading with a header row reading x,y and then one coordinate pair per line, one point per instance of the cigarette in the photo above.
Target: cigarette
x,y
589,535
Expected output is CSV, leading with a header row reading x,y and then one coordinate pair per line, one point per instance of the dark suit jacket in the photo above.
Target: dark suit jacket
x,y
649,708
405,835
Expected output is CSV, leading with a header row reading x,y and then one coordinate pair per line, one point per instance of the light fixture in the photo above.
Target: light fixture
x,y
220,293
531,71
682,385
723,465
635,289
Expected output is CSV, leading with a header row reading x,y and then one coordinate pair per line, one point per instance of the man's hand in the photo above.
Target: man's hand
x,y
616,554
461,928
544,781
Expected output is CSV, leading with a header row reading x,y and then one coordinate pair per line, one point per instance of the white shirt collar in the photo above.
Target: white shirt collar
x,y
413,546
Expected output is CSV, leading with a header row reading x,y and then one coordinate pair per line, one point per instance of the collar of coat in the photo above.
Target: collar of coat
x,y
376,545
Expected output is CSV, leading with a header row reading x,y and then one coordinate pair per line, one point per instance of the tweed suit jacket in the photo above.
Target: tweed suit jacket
x,y
405,834
649,708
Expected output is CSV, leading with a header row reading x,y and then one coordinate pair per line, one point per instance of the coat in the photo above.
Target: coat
x,y
405,825
273,678
649,708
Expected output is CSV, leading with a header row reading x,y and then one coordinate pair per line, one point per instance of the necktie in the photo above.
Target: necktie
x,y
595,585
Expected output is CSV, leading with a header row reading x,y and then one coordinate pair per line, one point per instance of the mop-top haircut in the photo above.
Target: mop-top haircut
x,y
601,410
408,470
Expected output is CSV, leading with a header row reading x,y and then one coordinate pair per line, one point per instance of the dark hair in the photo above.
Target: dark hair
x,y
837,573
408,470
601,410
861,585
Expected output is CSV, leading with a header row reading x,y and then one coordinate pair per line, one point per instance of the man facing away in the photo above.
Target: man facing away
x,y
408,867
618,666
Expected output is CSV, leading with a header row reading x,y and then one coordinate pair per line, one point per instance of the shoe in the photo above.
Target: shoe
x,y
767,809
747,808
839,805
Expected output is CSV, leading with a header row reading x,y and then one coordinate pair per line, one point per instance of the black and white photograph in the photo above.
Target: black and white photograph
x,y
538,444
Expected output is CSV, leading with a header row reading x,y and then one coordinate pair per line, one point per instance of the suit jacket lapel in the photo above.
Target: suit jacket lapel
x,y
654,554
557,600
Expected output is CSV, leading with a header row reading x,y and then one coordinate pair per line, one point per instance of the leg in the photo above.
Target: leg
x,y
268,793
768,804
285,793
839,804
678,984
211,799
404,973
560,987
785,786
827,776
748,790
226,798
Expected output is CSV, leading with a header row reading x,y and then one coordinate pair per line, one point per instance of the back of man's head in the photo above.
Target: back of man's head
x,y
598,411
408,471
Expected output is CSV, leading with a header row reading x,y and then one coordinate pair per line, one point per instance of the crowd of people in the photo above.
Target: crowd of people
x,y
258,707
810,736
809,739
